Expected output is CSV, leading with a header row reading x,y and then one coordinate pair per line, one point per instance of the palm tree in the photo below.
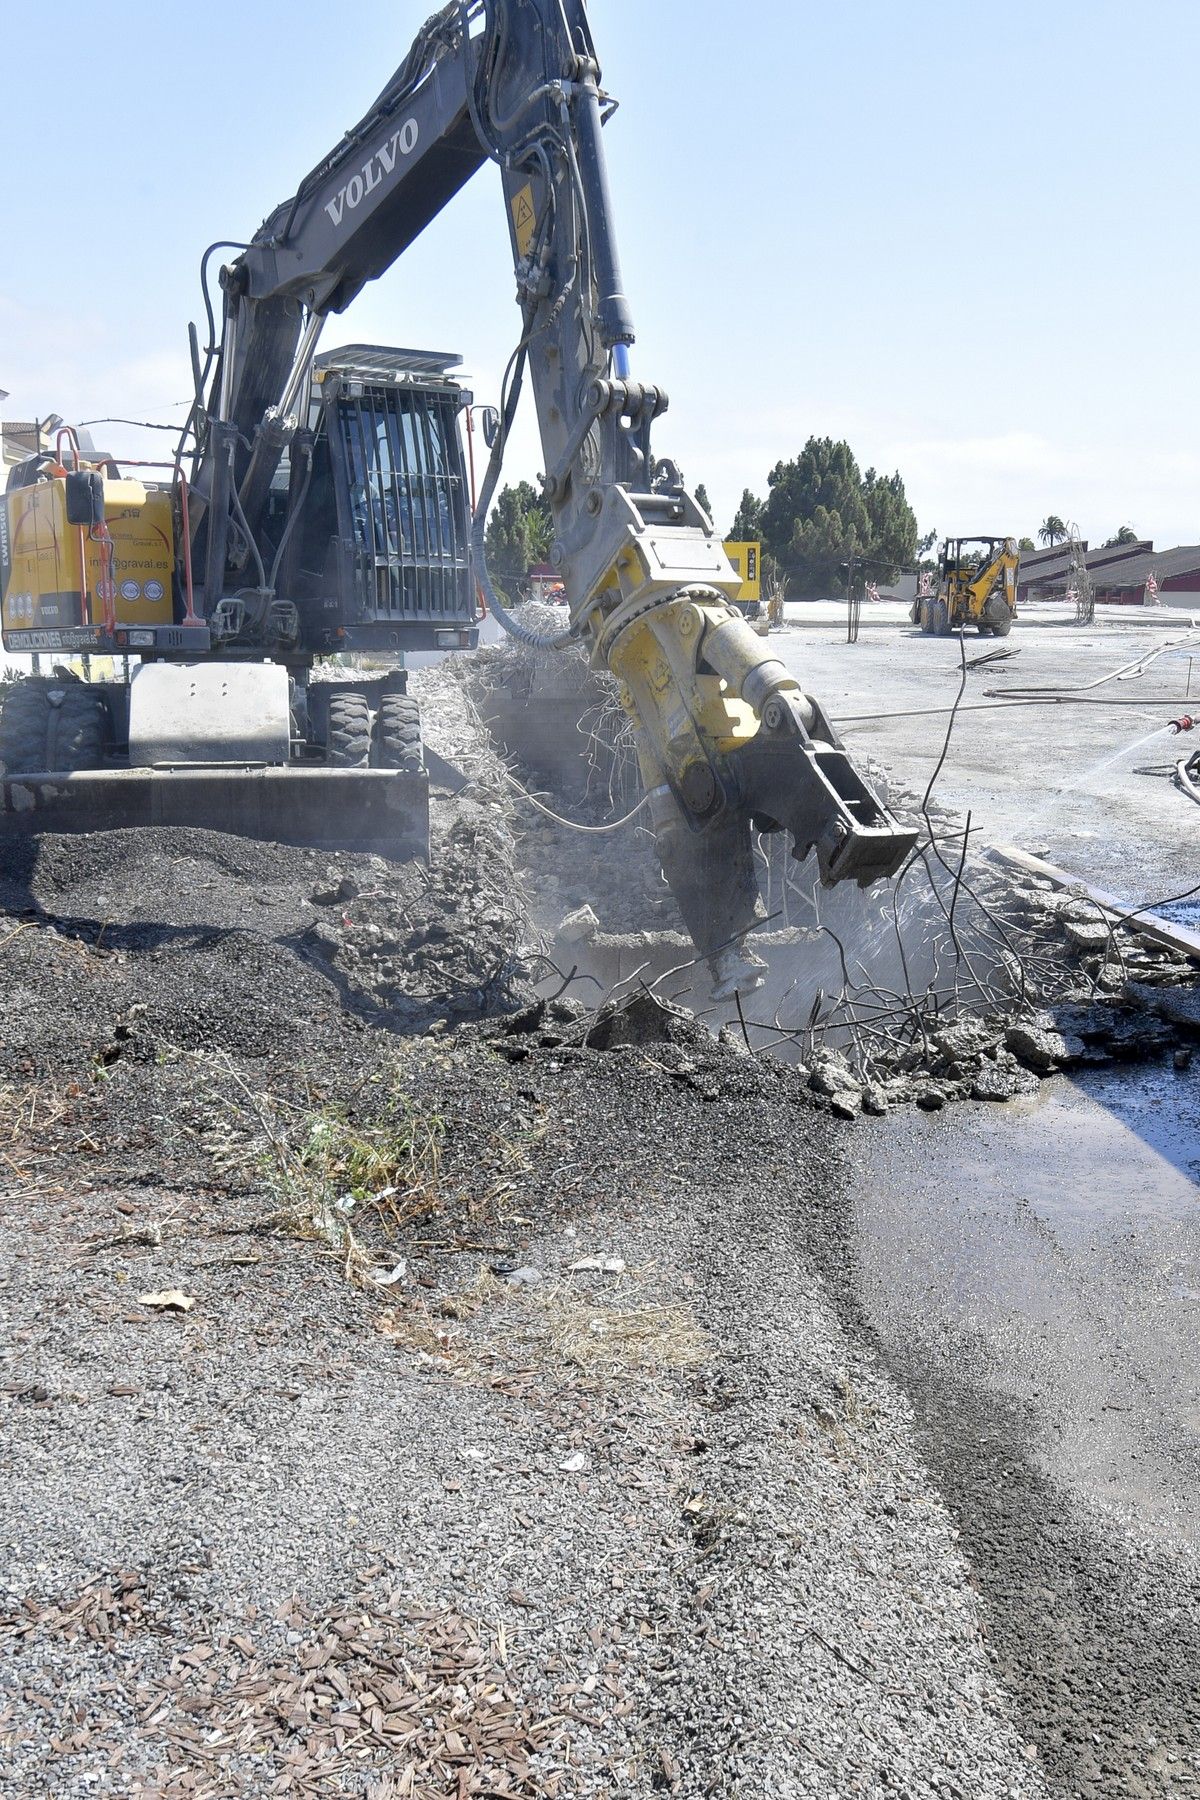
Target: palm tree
x,y
1052,530
1126,535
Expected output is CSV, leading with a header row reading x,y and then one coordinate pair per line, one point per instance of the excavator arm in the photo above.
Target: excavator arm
x,y
727,740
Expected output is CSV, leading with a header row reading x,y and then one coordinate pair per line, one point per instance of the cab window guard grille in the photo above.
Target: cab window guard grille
x,y
407,504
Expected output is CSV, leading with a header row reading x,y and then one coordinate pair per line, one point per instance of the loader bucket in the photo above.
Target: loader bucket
x,y
380,810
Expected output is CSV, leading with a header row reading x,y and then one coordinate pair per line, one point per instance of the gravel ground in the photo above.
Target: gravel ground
x,y
682,1533
404,1502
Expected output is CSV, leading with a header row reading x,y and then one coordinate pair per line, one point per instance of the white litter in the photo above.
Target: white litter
x,y
389,1277
599,1265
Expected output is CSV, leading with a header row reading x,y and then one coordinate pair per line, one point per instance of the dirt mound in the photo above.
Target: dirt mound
x,y
222,942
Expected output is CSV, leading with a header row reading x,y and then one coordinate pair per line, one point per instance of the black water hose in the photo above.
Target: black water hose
x,y
1187,776
301,497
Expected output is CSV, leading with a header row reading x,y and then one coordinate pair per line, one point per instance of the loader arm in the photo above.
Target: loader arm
x,y
727,740
1000,573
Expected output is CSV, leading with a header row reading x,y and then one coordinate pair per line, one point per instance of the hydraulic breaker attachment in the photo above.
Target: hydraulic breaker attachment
x,y
729,744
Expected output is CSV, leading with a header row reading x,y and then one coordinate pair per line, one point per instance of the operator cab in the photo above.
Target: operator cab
x,y
380,559
970,556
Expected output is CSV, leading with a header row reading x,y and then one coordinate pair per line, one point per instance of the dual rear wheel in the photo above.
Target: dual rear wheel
x,y
996,620
62,725
59,726
391,741
935,618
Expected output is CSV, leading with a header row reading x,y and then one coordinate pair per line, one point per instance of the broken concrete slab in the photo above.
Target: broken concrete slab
x,y
1087,933
578,927
1177,1005
832,1075
1041,1046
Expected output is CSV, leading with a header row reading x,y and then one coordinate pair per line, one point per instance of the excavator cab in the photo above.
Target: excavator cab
x,y
366,534
366,537
386,533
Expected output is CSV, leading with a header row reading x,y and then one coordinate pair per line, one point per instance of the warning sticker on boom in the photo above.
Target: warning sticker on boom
x,y
523,218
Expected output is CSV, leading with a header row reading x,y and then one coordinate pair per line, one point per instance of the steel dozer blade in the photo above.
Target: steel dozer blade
x,y
209,746
385,811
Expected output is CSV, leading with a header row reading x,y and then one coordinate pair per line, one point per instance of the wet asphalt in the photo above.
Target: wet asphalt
x,y
1031,1275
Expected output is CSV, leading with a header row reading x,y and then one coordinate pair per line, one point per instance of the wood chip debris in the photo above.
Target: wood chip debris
x,y
373,1697
107,1608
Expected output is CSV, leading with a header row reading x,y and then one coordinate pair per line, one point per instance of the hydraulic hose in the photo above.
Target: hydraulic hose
x,y
524,634
1184,779
301,497
251,545
1127,672
933,712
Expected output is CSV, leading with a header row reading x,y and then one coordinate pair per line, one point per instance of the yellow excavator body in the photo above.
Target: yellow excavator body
x,y
53,572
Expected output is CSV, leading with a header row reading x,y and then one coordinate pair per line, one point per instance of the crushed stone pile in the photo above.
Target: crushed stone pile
x,y
520,669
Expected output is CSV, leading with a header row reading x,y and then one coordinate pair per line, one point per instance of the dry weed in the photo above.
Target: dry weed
x,y
413,1327
649,1339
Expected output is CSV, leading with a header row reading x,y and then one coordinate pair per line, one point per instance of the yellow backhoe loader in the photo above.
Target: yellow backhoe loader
x,y
976,584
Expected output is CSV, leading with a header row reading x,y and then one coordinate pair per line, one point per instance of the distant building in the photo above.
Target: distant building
x,y
1176,574
19,440
1119,572
1045,574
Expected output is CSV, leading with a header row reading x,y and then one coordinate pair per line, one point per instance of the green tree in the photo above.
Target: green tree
x,y
892,523
702,499
747,520
1052,530
821,510
1025,543
519,532
1126,535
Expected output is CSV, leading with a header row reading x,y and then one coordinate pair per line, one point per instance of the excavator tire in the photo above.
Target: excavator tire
x,y
23,727
1002,626
349,744
939,618
398,734
52,725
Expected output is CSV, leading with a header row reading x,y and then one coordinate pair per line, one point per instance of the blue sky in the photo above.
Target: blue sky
x,y
962,237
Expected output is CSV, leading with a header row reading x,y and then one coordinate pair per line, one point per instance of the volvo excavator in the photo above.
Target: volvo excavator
x,y
318,504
